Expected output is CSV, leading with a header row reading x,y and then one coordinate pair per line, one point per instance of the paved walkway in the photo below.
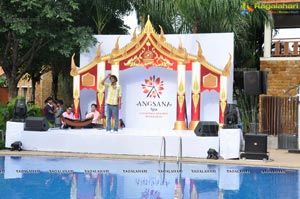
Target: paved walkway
x,y
277,158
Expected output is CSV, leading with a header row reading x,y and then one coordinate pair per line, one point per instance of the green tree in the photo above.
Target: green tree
x,y
29,26
106,11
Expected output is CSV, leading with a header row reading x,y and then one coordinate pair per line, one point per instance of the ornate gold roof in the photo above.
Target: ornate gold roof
x,y
149,48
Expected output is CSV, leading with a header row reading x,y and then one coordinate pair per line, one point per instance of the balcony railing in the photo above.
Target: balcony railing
x,y
286,47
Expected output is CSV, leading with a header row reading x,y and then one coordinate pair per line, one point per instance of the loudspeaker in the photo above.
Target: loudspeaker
x,y
230,115
252,82
256,147
255,82
264,82
207,128
256,143
36,124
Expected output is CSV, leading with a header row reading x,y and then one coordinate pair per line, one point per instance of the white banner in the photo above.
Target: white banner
x,y
149,97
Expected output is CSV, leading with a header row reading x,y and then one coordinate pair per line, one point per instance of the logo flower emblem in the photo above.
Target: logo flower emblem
x,y
153,87
246,8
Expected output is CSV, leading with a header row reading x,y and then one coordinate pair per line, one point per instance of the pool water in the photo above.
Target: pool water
x,y
83,178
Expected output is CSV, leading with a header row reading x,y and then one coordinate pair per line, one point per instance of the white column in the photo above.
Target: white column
x,y
267,40
115,70
100,71
100,87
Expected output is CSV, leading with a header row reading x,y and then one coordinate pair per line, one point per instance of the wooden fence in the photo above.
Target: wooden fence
x,y
277,115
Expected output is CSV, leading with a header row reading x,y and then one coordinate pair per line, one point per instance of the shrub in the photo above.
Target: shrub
x,y
6,114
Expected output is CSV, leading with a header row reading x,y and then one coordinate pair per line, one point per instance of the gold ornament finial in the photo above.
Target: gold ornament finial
x,y
134,35
73,71
200,55
180,46
199,49
98,53
226,70
116,49
162,34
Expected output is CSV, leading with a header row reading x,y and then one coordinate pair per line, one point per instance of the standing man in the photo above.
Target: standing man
x,y
113,101
58,112
49,111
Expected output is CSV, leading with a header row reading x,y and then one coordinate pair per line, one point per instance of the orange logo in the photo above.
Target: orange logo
x,y
153,87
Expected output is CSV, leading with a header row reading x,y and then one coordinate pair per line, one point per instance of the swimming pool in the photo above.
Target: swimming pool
x,y
54,178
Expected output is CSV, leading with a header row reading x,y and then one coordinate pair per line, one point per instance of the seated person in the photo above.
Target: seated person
x,y
67,114
96,117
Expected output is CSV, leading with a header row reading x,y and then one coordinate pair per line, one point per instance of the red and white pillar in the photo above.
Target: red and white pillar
x,y
180,123
76,95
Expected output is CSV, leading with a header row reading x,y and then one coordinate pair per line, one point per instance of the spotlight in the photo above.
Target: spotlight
x,y
16,146
20,111
230,116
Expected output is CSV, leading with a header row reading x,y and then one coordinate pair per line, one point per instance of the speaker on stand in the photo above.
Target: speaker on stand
x,y
255,82
255,147
230,117
36,124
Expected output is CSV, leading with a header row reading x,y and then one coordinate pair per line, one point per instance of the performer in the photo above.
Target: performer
x,y
67,114
113,101
96,117
58,112
49,111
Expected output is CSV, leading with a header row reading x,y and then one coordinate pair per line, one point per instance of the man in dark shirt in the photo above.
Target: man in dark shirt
x,y
49,111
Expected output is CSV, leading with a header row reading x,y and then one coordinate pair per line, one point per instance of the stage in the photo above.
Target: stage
x,y
128,141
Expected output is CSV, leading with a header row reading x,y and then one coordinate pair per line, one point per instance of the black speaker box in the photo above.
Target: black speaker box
x,y
255,146
207,128
36,124
256,143
255,82
230,115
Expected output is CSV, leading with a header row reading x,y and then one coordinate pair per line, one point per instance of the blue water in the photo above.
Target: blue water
x,y
54,178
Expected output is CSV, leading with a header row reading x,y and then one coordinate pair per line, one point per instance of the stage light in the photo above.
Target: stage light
x,y
19,111
16,146
230,116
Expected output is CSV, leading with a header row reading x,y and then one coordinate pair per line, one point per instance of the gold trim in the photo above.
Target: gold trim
x,y
76,98
88,79
223,95
181,88
196,87
193,125
162,34
180,99
226,70
149,34
116,49
223,100
100,99
148,57
210,81
98,53
196,97
74,70
134,37
180,125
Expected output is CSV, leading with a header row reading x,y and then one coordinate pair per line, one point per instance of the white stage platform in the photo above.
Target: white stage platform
x,y
127,141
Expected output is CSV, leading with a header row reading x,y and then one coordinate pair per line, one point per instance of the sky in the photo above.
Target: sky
x,y
288,33
131,21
